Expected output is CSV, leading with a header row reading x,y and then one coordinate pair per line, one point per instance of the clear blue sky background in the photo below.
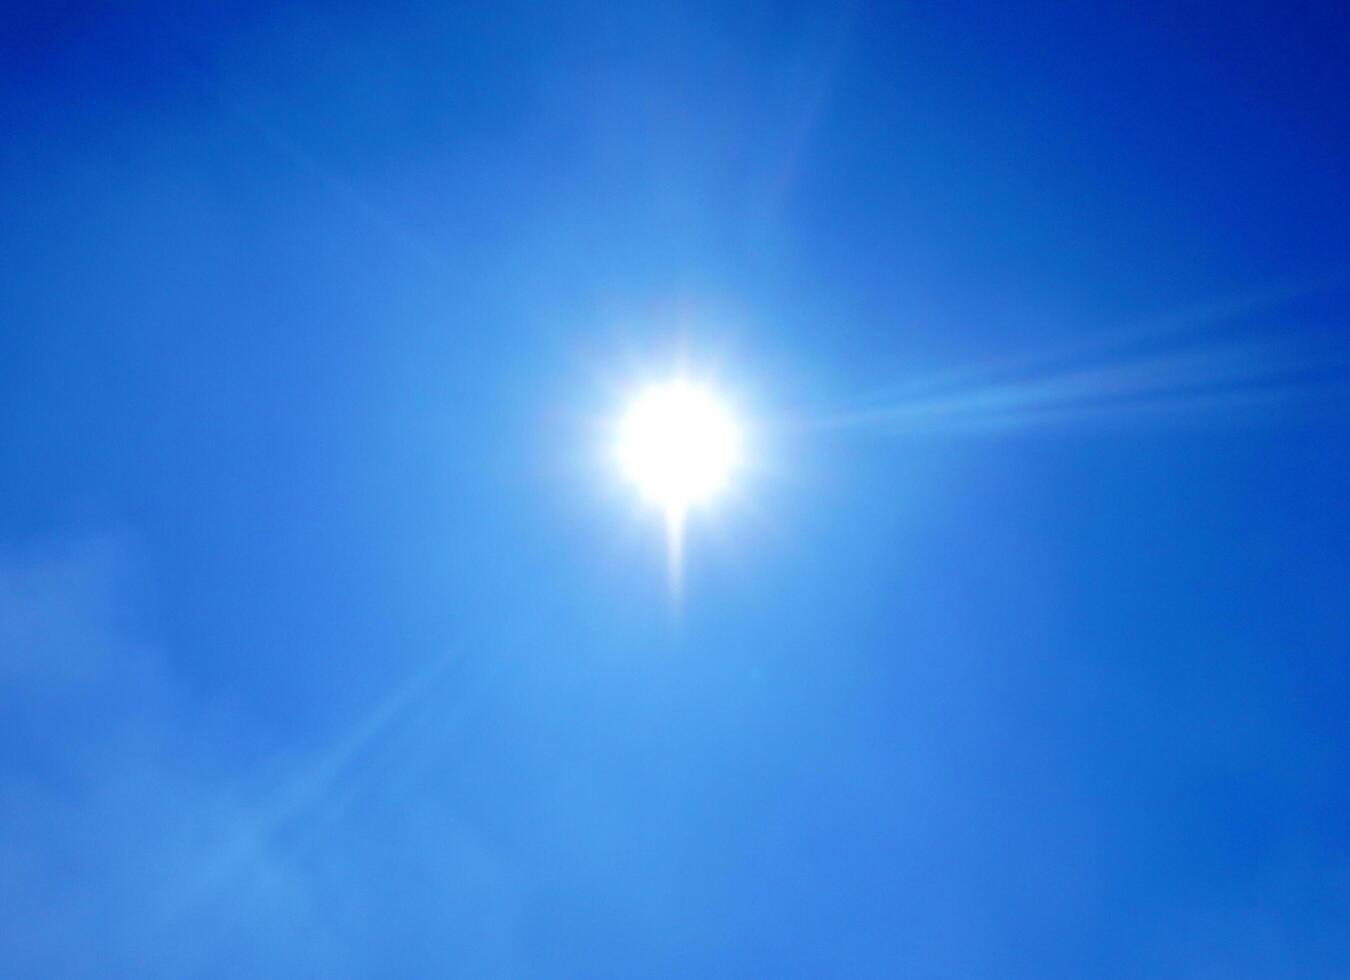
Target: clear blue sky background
x,y
330,646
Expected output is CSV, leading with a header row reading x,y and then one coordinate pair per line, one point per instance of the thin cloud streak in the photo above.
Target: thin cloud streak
x,y
332,777
1211,377
1100,344
1164,365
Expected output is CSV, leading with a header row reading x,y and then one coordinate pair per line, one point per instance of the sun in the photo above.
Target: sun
x,y
679,444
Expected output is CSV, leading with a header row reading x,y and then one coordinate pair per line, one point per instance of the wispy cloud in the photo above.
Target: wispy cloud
x,y
1176,366
135,840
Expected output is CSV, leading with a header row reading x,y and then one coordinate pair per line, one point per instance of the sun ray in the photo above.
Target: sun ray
x,y
679,445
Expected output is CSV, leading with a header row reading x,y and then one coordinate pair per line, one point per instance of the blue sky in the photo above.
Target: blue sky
x,y
331,645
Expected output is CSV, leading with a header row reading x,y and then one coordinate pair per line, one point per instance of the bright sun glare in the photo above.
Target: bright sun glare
x,y
679,444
